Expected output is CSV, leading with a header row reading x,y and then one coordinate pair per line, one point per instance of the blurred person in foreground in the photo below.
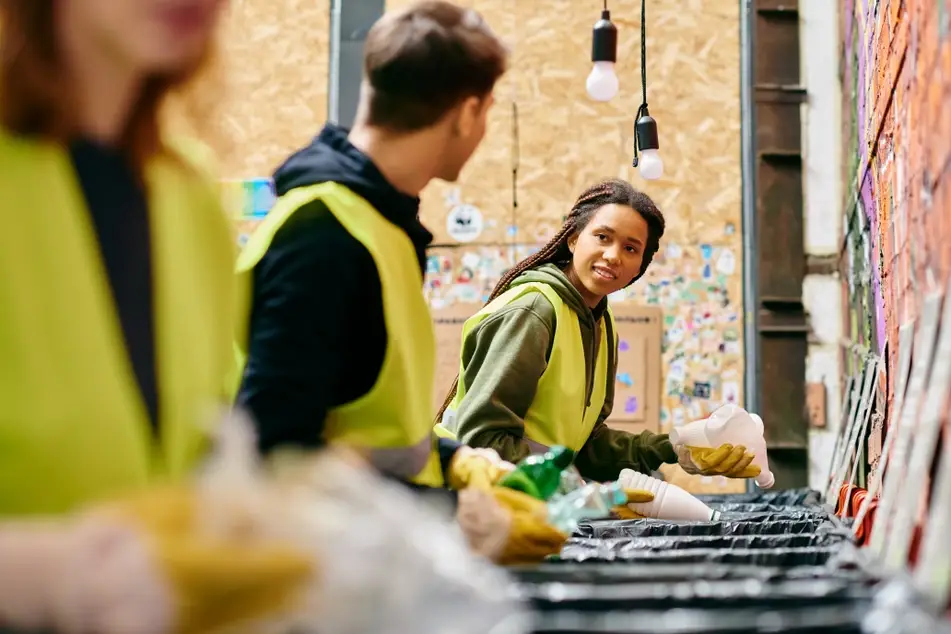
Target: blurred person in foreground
x,y
341,348
118,299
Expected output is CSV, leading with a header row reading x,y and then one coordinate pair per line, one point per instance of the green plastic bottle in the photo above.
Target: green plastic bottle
x,y
540,476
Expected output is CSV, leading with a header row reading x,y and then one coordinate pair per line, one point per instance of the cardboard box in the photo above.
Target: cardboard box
x,y
637,397
637,386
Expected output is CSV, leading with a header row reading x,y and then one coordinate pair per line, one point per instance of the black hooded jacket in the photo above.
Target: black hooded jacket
x,y
317,332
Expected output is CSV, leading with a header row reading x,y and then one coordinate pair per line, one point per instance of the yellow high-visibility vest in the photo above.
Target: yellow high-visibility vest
x,y
73,425
559,413
393,421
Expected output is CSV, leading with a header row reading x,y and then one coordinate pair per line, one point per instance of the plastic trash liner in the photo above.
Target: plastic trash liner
x,y
787,497
655,528
695,594
750,507
597,573
806,556
733,542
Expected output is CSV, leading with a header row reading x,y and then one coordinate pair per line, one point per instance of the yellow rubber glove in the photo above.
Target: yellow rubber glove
x,y
215,581
634,496
531,538
726,460
476,467
507,526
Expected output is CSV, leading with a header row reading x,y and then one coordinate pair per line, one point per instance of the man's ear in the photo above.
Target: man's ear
x,y
467,117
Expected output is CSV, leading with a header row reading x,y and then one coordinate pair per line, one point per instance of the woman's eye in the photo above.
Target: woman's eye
x,y
602,237
632,249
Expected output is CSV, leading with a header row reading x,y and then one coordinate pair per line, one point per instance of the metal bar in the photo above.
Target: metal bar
x,y
333,74
748,213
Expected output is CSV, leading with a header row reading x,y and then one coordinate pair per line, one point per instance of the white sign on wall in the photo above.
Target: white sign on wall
x,y
464,223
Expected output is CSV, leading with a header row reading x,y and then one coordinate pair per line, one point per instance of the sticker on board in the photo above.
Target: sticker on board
x,y
464,223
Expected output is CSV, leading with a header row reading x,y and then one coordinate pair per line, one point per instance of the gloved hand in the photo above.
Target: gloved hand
x,y
476,467
145,565
507,526
726,460
634,496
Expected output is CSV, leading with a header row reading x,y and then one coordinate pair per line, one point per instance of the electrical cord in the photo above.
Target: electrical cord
x,y
643,54
515,164
643,107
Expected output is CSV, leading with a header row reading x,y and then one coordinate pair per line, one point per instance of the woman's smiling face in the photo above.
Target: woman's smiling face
x,y
607,254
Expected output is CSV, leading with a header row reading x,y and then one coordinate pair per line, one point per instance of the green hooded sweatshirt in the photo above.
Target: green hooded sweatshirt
x,y
504,358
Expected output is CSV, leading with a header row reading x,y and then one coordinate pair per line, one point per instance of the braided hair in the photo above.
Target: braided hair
x,y
614,191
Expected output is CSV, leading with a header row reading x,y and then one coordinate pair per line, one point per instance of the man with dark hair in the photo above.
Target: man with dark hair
x,y
341,347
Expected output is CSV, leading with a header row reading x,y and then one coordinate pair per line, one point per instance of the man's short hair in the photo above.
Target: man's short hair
x,y
422,61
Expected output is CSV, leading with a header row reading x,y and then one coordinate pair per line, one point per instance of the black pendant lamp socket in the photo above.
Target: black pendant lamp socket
x,y
646,139
602,83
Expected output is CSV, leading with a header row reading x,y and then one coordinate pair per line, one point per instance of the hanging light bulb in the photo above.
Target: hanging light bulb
x,y
602,83
646,141
648,161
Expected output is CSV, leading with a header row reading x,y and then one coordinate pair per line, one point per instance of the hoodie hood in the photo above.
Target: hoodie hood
x,y
330,157
554,277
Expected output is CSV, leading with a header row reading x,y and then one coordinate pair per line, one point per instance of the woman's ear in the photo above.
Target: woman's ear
x,y
572,241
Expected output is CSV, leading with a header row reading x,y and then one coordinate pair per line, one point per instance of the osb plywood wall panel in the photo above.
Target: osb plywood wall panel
x,y
567,142
268,91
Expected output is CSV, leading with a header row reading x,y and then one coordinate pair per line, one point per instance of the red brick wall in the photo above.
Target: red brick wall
x,y
897,85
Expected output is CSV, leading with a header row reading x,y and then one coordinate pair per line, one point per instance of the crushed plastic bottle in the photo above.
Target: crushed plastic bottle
x,y
571,480
592,501
729,424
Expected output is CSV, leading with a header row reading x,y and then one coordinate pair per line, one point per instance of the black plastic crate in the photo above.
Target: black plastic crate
x,y
606,529
701,594
828,620
785,497
778,557
601,573
665,543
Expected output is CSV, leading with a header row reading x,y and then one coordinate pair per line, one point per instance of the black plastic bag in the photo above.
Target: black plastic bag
x,y
786,497
753,507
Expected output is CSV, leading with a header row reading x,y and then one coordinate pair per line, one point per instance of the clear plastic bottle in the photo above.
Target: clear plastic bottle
x,y
571,480
729,424
592,501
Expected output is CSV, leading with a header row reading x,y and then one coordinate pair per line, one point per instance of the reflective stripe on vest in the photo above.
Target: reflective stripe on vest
x,y
559,413
73,426
391,422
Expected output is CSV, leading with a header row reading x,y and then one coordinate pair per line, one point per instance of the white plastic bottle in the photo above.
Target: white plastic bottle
x,y
729,424
670,501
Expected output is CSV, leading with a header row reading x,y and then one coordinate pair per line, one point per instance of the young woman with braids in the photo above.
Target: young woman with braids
x,y
538,361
